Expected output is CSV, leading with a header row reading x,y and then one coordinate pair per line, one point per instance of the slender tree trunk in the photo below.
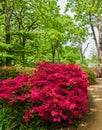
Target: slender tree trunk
x,y
53,54
58,52
7,30
81,52
8,59
93,33
100,32
23,53
7,27
98,45
82,59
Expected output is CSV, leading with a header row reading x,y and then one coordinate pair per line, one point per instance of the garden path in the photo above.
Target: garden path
x,y
93,120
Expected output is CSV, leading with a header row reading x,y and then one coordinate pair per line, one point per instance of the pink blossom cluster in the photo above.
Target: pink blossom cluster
x,y
56,92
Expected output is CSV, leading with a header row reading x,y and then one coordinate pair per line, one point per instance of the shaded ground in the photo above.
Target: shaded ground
x,y
93,120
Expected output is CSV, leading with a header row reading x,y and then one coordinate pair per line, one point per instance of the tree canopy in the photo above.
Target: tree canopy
x,y
34,30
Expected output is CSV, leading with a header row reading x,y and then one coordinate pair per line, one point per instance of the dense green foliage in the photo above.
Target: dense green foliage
x,y
36,31
91,74
11,118
33,30
70,55
8,73
12,72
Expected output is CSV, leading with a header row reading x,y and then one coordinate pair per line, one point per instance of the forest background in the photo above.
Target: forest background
x,y
32,31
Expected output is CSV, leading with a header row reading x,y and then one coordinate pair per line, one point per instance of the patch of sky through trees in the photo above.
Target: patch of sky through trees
x,y
91,50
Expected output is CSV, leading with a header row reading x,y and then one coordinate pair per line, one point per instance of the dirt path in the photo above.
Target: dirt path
x,y
93,120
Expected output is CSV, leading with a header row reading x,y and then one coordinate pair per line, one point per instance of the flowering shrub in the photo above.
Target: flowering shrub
x,y
56,92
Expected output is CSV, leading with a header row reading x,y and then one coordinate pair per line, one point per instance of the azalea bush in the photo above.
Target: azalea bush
x,y
55,93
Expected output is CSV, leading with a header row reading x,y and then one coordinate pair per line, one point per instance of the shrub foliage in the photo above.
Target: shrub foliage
x,y
91,74
6,72
11,72
56,92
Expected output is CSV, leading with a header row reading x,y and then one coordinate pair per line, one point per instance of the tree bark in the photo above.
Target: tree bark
x,y
53,54
100,45
93,33
58,52
7,27
23,42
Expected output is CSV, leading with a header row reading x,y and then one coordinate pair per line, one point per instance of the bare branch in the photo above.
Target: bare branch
x,y
32,24
13,5
86,48
13,126
80,45
6,9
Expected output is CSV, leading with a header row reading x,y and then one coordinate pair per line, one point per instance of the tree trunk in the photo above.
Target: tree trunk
x,y
93,33
7,27
8,59
23,42
58,52
7,30
82,58
100,45
100,32
81,51
53,54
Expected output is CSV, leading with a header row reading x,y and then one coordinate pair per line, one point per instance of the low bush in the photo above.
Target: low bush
x,y
7,72
55,93
91,74
96,71
11,72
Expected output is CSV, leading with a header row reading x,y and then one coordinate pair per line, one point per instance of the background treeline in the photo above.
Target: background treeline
x,y
34,30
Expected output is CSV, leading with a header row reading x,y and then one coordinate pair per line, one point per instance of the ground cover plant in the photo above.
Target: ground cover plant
x,y
55,93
